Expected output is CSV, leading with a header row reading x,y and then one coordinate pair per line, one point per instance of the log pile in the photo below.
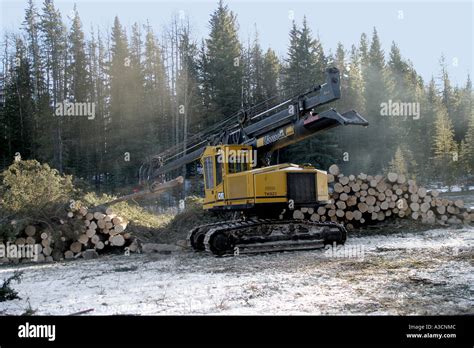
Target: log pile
x,y
82,233
365,199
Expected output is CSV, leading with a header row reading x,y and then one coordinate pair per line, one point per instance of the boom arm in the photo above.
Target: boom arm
x,y
274,128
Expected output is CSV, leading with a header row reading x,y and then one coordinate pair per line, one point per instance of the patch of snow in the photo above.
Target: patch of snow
x,y
403,273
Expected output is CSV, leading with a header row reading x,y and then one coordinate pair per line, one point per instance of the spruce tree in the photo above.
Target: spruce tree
x,y
445,149
305,68
17,116
375,95
467,149
399,90
424,129
355,88
292,73
257,80
462,112
189,100
188,93
31,26
398,163
224,62
156,96
270,74
78,129
206,85
120,106
305,63
100,95
136,120
364,53
53,34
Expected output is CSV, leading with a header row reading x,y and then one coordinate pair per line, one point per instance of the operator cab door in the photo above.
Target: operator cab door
x,y
214,188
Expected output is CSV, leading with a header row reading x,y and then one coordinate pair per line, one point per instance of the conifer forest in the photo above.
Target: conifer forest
x,y
141,92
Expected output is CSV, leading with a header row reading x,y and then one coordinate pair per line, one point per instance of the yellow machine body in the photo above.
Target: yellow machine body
x,y
231,183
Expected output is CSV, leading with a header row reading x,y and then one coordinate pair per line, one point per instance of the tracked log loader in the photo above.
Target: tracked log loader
x,y
239,178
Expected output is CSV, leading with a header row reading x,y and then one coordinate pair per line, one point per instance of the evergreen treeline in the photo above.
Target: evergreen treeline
x,y
149,91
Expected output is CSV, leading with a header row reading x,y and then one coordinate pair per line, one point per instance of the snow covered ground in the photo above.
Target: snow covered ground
x,y
404,273
454,188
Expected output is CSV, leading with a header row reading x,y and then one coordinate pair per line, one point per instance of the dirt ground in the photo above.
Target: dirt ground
x,y
428,272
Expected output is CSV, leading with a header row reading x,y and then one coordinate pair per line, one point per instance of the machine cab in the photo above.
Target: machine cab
x,y
219,162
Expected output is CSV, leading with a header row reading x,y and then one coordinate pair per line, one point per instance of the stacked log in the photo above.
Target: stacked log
x,y
83,232
367,199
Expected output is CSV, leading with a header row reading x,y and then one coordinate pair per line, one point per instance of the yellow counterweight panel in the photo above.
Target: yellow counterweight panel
x,y
237,186
270,187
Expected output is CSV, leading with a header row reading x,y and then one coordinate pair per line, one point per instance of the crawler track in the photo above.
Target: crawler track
x,y
264,235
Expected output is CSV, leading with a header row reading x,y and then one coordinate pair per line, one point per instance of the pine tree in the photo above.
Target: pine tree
x,y
77,65
340,62
446,82
364,54
77,129
351,139
398,71
306,62
467,149
424,129
403,162
271,71
304,68
375,95
451,99
136,121
41,107
156,96
188,93
462,109
398,163
247,78
355,88
256,61
340,57
53,48
189,99
223,62
400,90
253,70
99,94
206,85
31,27
444,147
120,105
291,70
17,116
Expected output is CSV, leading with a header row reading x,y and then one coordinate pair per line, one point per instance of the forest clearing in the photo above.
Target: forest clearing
x,y
400,273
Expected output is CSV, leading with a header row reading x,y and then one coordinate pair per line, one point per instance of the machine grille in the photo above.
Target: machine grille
x,y
302,187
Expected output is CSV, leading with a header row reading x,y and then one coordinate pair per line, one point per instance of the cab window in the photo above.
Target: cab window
x,y
238,165
208,172
218,170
